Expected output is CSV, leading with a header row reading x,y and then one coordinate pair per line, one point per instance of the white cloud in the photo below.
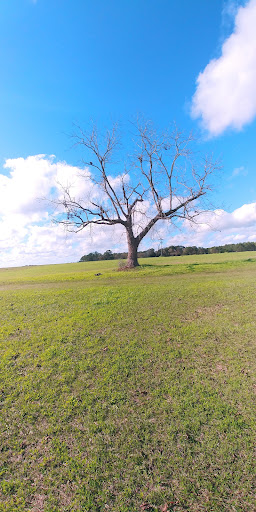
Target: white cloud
x,y
27,235
117,181
220,220
35,177
225,95
221,227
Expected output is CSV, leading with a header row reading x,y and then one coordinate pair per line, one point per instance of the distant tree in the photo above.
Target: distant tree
x,y
202,250
175,250
92,256
162,171
190,250
149,253
120,255
249,246
108,255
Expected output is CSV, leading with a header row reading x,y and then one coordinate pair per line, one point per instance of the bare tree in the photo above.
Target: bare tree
x,y
162,172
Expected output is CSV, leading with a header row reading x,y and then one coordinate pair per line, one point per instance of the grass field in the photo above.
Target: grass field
x,y
130,391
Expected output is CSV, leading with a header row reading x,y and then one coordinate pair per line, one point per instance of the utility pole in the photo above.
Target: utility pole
x,y
161,245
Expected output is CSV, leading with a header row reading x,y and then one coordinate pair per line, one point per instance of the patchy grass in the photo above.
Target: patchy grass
x,y
129,391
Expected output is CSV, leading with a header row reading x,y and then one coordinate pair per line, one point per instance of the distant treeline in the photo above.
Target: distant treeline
x,y
173,250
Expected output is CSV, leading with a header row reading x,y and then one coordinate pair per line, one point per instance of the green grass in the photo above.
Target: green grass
x,y
129,391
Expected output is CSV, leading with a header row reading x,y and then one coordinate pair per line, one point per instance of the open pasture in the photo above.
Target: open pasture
x,y
129,391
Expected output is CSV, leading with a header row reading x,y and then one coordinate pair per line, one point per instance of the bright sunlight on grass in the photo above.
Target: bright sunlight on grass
x,y
129,391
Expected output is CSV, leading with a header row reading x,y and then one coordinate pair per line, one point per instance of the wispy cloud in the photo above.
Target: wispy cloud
x,y
239,171
229,11
225,94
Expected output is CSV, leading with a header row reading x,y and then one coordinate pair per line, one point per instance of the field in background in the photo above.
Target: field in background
x,y
87,270
129,391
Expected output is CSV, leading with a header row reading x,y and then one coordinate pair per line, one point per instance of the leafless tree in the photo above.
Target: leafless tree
x,y
162,172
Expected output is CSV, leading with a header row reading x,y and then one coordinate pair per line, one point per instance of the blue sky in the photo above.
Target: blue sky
x,y
68,62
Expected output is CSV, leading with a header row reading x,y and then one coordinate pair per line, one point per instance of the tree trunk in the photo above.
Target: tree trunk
x,y
132,259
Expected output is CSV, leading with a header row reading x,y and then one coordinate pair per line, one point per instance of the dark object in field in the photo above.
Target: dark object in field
x,y
99,274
